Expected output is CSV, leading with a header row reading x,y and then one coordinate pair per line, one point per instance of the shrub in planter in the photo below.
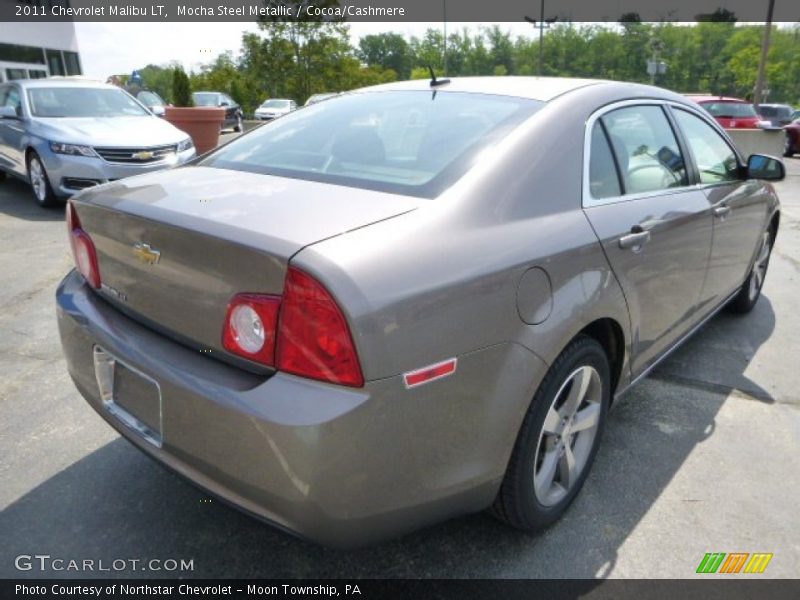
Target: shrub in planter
x,y
202,123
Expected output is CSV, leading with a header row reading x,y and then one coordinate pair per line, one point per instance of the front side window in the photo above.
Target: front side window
x,y
408,142
57,102
13,100
714,157
646,149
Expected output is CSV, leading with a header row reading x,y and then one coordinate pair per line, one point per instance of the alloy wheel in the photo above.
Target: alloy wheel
x,y
760,266
567,436
37,177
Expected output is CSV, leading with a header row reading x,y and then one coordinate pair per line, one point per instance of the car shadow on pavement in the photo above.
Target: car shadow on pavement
x,y
16,200
117,504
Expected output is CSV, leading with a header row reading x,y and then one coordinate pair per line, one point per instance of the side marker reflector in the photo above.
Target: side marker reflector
x,y
430,373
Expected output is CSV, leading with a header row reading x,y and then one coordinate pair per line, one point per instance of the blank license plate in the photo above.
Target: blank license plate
x,y
131,396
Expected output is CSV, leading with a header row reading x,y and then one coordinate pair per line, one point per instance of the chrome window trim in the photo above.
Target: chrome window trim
x,y
589,201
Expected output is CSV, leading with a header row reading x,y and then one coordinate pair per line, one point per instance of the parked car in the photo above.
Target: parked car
x,y
67,135
274,107
152,101
792,140
777,114
234,116
402,306
314,98
731,113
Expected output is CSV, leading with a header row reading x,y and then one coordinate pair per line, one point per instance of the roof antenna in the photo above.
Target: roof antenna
x,y
436,82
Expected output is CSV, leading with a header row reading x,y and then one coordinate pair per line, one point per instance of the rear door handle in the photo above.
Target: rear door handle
x,y
634,240
722,211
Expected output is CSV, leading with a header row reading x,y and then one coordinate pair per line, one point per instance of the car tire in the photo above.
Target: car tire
x,y
788,147
239,127
40,183
750,291
530,498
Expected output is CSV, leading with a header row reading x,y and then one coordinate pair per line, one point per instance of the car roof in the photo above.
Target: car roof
x,y
49,82
707,98
534,88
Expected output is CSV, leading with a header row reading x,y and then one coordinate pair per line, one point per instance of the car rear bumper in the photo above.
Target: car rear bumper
x,y
339,466
70,174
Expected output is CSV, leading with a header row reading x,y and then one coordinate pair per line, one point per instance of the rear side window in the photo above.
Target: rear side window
x,y
603,179
647,152
714,157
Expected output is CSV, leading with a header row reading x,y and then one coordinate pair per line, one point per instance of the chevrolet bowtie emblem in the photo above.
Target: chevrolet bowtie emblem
x,y
146,254
142,155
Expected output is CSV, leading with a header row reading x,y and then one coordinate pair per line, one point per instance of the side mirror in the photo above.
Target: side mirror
x,y
768,168
223,103
8,112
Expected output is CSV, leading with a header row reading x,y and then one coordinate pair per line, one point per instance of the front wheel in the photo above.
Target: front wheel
x,y
40,183
750,291
788,148
239,124
558,439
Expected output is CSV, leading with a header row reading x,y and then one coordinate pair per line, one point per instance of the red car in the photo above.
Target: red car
x,y
731,113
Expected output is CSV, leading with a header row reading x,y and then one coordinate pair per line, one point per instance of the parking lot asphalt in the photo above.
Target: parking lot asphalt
x,y
700,457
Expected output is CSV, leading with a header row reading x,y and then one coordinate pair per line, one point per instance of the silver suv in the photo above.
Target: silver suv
x,y
66,135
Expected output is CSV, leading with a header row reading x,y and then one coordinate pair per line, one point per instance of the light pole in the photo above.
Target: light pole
x,y
762,63
444,54
543,24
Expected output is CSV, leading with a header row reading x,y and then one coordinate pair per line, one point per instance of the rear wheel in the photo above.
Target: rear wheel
x,y
40,183
788,147
750,291
558,439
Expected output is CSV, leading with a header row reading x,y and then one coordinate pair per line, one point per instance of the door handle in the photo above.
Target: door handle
x,y
635,239
722,211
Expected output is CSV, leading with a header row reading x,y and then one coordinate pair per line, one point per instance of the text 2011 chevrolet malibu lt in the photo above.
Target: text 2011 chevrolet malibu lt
x,y
412,301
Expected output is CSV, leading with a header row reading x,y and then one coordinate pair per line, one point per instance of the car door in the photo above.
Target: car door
x,y
739,205
654,226
12,131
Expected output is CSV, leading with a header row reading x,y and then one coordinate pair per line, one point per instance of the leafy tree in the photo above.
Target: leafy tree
x,y
386,51
181,90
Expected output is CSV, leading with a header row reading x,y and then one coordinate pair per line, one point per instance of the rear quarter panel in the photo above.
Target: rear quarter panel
x,y
444,280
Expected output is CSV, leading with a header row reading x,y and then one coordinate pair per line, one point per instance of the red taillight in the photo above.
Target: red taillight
x,y
250,327
313,337
83,250
302,332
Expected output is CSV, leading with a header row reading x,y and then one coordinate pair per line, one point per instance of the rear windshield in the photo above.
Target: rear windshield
x,y
407,142
275,104
82,102
781,112
205,99
730,109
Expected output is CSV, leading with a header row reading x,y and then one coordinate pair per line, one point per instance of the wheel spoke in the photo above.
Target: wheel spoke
x,y
586,418
580,383
552,422
543,480
566,468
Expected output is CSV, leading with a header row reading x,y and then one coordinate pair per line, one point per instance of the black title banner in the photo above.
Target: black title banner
x,y
393,10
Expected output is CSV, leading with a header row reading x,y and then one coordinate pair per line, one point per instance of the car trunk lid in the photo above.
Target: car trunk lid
x,y
174,247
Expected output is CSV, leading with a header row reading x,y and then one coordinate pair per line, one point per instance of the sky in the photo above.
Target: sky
x,y
115,48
